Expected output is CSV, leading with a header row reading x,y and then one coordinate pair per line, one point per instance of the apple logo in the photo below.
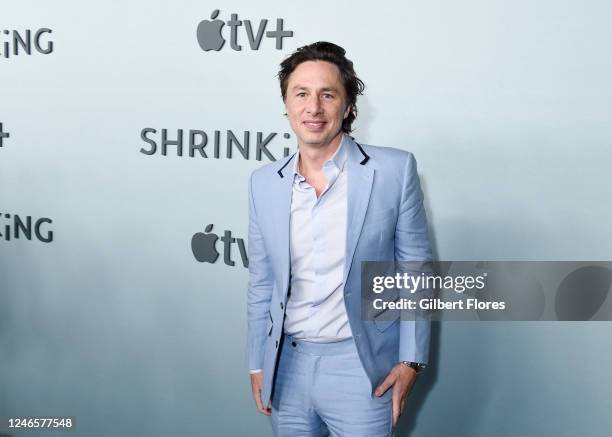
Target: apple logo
x,y
203,246
209,33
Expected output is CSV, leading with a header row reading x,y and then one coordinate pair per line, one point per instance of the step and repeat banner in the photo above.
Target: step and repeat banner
x,y
128,131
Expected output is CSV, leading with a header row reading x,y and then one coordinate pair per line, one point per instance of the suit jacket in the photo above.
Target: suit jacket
x,y
386,222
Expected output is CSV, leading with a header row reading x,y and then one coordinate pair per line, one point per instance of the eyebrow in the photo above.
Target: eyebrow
x,y
302,87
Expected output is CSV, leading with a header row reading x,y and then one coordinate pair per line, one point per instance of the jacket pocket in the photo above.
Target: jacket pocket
x,y
386,319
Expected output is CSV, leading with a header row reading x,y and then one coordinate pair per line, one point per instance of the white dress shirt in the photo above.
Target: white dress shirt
x,y
315,308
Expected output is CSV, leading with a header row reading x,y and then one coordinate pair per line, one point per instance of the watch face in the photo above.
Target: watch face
x,y
418,367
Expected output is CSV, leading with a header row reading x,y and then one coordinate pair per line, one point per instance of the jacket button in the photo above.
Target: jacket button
x,y
281,305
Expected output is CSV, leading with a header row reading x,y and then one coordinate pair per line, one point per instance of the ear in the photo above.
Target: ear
x,y
348,110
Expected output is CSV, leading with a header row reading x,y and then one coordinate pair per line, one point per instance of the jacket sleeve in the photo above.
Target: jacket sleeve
x,y
412,244
259,292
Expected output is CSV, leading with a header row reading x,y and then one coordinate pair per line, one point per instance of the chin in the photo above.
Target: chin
x,y
322,141
313,137
318,137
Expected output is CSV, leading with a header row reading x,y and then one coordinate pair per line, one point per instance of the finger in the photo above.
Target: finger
x,y
259,404
269,409
382,388
257,397
265,411
396,411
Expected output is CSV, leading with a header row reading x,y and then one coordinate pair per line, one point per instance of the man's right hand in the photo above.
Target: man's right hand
x,y
256,384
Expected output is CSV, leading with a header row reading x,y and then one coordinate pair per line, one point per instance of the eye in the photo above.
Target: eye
x,y
301,94
328,96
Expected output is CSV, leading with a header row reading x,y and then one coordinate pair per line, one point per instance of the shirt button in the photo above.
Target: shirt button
x,y
293,343
281,305
277,344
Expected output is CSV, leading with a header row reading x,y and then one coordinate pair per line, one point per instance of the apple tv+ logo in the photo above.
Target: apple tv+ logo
x,y
204,247
210,37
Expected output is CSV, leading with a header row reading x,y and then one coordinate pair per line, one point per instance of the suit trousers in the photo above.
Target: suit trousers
x,y
321,388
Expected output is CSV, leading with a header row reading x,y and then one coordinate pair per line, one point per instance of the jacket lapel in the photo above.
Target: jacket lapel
x,y
282,216
360,179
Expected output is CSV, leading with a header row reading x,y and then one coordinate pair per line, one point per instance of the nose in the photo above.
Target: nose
x,y
313,105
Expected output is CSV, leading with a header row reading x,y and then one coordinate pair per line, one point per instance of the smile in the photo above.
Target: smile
x,y
314,125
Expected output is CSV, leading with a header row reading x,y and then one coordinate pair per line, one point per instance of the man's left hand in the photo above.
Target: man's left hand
x,y
401,378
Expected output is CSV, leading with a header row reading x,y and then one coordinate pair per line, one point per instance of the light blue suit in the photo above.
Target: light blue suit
x,y
386,221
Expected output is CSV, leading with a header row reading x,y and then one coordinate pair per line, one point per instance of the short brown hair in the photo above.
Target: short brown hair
x,y
326,51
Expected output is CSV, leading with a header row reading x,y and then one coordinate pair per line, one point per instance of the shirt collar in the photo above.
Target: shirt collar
x,y
336,162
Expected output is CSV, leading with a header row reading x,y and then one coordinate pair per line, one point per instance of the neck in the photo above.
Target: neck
x,y
312,158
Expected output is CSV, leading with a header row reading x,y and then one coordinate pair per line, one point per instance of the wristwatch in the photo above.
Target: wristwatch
x,y
418,367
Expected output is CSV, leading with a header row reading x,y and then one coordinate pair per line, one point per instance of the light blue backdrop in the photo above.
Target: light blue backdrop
x,y
505,104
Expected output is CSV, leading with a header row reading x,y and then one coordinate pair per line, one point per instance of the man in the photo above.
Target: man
x,y
314,217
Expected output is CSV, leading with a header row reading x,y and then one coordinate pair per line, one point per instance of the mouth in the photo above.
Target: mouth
x,y
314,125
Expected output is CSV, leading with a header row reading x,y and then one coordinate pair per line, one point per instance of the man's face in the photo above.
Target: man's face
x,y
316,102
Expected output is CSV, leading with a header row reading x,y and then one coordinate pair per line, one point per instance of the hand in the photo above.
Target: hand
x,y
401,378
256,384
